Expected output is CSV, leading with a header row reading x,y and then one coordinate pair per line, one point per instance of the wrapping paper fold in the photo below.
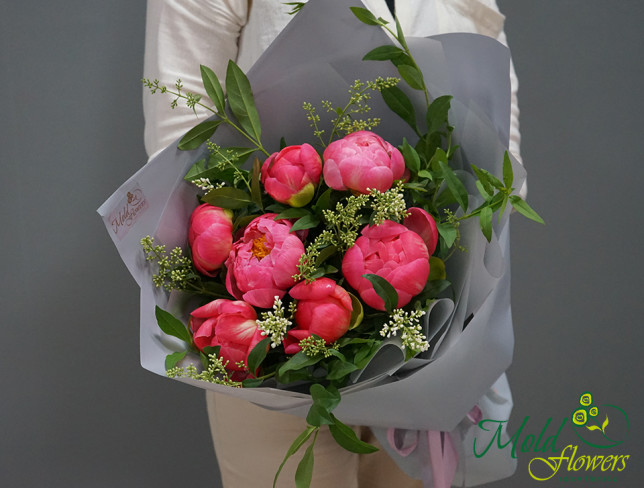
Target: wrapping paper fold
x,y
316,57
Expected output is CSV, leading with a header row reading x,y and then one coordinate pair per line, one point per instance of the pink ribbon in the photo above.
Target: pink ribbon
x,y
443,456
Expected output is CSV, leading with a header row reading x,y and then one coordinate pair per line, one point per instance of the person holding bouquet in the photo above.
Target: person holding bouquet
x,y
180,36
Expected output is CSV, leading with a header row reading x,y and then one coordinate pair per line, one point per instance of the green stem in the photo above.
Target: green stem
x,y
225,119
405,47
343,113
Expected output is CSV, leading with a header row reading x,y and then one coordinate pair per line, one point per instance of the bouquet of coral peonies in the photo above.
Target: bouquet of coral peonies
x,y
365,263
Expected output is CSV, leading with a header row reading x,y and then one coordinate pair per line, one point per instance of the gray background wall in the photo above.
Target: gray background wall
x,y
76,410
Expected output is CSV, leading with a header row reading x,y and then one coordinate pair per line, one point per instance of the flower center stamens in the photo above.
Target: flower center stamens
x,y
259,248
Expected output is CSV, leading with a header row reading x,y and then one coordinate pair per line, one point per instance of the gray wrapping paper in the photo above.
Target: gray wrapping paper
x,y
316,57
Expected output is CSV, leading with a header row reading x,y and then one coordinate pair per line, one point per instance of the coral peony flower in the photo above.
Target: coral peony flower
x,y
424,225
291,175
362,161
392,251
323,309
229,324
262,263
211,238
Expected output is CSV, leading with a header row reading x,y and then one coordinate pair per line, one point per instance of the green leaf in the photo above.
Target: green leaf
x,y
318,416
277,207
171,360
448,232
437,113
323,201
340,369
504,204
508,176
257,354
383,53
455,186
412,160
304,471
400,104
325,254
347,438
438,157
357,312
199,134
228,197
436,269
384,290
425,174
400,34
196,170
242,103
208,350
524,209
365,16
292,213
252,382
213,88
593,427
306,222
485,218
297,443
427,146
172,326
365,353
297,361
412,76
214,171
488,180
328,397
481,188
420,186
434,288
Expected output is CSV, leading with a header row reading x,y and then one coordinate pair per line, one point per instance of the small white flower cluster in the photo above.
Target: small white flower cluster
x,y
215,373
204,184
275,323
345,220
389,205
408,325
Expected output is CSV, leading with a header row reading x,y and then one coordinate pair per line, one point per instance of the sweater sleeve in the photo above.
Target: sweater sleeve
x,y
181,35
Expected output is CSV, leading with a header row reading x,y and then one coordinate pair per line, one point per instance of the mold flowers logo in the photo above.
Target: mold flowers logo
x,y
598,426
586,423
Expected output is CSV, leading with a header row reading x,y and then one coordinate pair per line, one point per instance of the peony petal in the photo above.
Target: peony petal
x,y
235,329
316,290
332,176
423,224
263,297
209,309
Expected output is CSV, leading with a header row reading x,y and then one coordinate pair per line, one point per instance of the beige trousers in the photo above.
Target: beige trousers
x,y
250,443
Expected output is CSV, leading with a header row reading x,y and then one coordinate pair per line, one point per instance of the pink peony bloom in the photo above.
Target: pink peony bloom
x,y
392,251
229,324
210,236
362,161
424,225
323,309
262,263
291,175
